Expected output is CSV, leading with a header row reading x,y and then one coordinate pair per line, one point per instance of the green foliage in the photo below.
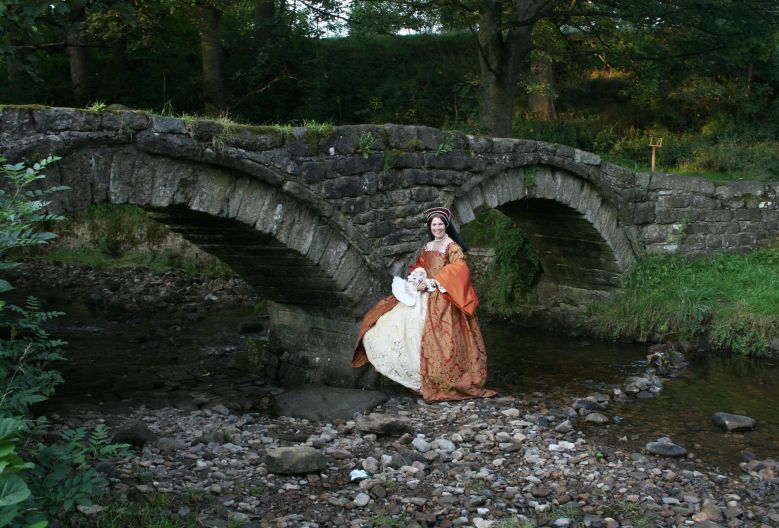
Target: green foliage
x,y
22,206
62,477
446,145
507,287
57,476
731,299
13,489
26,356
365,144
722,150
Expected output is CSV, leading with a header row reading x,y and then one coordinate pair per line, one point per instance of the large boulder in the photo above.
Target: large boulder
x,y
325,404
294,460
734,422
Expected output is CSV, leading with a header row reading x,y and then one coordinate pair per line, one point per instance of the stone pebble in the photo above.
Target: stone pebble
x,y
463,464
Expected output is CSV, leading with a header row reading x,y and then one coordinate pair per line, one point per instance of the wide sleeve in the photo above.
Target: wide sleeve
x,y
455,277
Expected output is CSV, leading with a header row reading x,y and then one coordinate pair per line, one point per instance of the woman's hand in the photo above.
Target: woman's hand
x,y
422,286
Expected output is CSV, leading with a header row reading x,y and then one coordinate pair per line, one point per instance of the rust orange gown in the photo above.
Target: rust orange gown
x,y
453,361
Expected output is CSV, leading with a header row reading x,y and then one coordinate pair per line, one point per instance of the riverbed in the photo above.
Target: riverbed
x,y
124,352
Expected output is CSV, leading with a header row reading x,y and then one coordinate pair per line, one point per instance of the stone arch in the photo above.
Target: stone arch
x,y
575,230
271,238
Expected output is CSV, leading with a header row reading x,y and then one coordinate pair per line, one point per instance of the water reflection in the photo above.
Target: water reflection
x,y
523,361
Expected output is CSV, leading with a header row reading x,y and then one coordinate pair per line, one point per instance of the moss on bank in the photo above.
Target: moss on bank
x,y
104,236
729,300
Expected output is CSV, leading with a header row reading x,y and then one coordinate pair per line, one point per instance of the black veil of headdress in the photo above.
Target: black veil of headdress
x,y
451,231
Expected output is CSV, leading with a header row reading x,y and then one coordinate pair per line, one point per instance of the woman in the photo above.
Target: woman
x,y
434,347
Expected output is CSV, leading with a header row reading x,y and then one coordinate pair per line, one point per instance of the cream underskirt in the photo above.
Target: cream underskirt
x,y
394,343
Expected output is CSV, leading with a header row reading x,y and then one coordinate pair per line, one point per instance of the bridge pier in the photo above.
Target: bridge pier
x,y
317,347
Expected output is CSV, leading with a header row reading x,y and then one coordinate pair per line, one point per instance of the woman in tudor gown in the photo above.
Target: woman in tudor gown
x,y
435,346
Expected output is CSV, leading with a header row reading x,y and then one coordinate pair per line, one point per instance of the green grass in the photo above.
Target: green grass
x,y
154,511
158,263
732,300
110,238
385,520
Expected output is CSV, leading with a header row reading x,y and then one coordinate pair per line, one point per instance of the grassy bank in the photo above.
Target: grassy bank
x,y
729,300
105,236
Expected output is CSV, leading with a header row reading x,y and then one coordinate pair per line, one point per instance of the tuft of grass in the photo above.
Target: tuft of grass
x,y
730,299
385,520
365,144
627,512
97,106
514,522
320,129
153,511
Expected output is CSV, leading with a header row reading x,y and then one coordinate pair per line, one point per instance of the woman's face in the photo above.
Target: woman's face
x,y
437,227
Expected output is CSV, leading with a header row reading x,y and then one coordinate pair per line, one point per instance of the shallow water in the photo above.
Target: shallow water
x,y
155,361
522,361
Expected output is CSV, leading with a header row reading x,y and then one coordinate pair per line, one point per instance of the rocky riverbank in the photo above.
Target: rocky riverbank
x,y
501,462
246,454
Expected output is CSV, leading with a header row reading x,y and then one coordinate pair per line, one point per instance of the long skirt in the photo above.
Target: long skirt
x,y
445,360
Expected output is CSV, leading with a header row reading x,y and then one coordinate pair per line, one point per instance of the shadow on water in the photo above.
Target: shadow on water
x,y
522,361
167,359
156,360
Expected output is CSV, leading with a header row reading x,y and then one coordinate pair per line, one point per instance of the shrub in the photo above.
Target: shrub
x,y
506,289
56,476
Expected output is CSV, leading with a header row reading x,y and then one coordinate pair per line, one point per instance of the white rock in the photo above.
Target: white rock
x,y
362,499
443,444
421,445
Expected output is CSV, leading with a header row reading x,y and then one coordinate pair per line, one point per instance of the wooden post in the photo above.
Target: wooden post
x,y
655,144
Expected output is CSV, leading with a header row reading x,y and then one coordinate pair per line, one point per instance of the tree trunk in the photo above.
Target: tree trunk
x,y
11,64
77,57
264,21
501,55
541,96
211,51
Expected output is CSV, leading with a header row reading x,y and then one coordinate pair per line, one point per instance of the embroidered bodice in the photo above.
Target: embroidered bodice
x,y
436,259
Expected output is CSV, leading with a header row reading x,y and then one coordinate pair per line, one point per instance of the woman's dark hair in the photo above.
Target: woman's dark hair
x,y
450,230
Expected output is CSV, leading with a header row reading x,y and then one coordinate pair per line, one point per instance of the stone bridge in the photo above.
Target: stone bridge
x,y
318,219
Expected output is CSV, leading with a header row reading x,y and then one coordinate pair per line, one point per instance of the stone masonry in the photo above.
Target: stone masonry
x,y
318,220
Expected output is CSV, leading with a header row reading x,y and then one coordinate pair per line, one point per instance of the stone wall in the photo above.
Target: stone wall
x,y
693,216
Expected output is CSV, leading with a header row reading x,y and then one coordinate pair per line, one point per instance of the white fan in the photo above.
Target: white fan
x,y
404,291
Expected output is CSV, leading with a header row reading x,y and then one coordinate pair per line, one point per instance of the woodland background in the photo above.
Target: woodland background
x,y
604,76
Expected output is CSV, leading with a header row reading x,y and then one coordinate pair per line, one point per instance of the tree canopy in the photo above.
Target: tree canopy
x,y
480,64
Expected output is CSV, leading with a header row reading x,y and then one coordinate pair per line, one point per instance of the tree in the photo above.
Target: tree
x,y
209,16
640,30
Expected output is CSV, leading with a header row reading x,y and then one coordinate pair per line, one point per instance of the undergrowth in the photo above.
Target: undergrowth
x,y
506,289
730,300
106,236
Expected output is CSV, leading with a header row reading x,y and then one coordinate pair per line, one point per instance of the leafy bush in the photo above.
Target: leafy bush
x,y
56,476
507,287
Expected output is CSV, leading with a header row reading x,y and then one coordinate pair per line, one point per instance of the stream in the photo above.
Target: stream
x,y
175,358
